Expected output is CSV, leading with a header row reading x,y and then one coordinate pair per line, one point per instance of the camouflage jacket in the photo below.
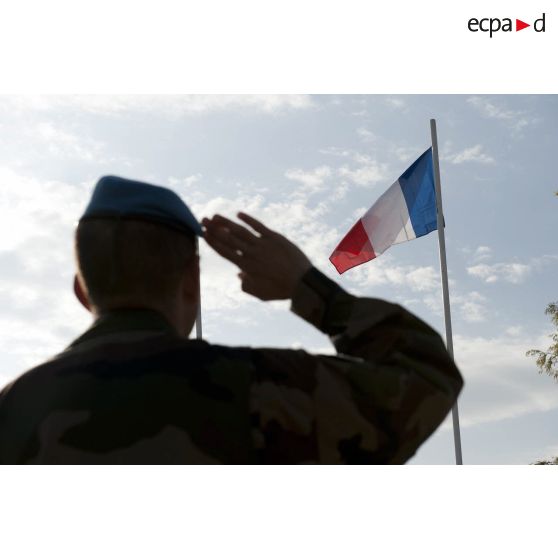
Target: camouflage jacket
x,y
130,390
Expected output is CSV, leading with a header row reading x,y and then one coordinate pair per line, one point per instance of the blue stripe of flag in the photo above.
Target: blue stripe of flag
x,y
417,185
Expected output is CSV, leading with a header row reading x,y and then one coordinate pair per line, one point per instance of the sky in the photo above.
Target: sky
x,y
309,167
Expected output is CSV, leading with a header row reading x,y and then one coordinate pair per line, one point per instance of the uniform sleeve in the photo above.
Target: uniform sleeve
x,y
390,386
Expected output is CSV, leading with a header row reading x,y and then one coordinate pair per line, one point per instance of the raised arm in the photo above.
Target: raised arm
x,y
389,388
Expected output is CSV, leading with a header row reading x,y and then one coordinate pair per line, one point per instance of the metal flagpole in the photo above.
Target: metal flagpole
x,y
444,273
198,314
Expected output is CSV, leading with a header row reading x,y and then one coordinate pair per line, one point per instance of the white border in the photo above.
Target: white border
x,y
277,511
292,46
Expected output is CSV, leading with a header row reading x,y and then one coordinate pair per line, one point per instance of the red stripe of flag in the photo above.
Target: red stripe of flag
x,y
353,250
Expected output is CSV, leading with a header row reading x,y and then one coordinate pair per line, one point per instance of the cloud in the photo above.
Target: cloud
x,y
166,105
313,180
422,279
472,307
383,272
320,349
406,154
366,135
336,151
509,272
482,253
369,171
514,331
185,183
473,154
363,176
472,312
363,170
32,207
468,306
513,272
540,262
64,144
39,314
500,381
514,119
396,103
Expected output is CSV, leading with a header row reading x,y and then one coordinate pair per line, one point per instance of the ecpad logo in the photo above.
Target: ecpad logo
x,y
493,25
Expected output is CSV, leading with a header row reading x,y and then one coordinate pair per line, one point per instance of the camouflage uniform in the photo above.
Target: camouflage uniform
x,y
130,390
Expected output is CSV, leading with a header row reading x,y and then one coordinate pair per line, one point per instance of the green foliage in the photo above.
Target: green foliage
x,y
552,461
547,361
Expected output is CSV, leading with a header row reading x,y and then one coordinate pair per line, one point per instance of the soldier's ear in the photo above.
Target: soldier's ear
x,y
80,294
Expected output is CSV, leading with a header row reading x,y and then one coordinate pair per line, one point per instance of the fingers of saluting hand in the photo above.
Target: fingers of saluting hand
x,y
224,249
255,224
219,223
230,240
237,231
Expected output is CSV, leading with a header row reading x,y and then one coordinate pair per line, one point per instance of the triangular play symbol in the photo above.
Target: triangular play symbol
x,y
519,25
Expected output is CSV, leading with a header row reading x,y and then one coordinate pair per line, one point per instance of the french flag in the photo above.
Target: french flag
x,y
405,211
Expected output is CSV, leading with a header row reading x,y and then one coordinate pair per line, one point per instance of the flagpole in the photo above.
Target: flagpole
x,y
444,274
198,313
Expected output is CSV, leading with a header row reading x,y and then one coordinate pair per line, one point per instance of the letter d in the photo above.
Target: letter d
x,y
536,24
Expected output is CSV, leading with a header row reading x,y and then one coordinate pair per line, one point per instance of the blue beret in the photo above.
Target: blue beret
x,y
119,197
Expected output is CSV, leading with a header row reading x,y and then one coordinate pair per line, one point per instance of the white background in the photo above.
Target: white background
x,y
274,47
351,46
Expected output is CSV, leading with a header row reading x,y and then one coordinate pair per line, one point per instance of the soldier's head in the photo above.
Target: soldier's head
x,y
136,248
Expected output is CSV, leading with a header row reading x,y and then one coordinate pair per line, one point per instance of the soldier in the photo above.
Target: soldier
x,y
135,389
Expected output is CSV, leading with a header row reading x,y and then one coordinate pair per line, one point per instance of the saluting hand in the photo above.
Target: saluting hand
x,y
270,264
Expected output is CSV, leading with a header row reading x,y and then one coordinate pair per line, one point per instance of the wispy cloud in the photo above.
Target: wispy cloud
x,y
470,306
385,272
313,179
509,272
482,253
337,151
363,176
184,183
31,207
501,383
396,103
539,262
171,105
406,154
362,169
39,316
474,154
64,144
366,135
514,119
369,171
